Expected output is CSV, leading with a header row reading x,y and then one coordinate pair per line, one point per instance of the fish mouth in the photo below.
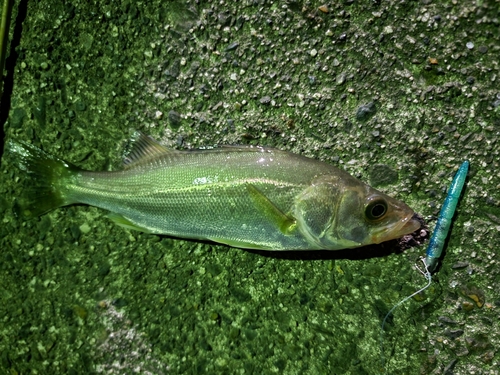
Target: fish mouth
x,y
404,226
411,225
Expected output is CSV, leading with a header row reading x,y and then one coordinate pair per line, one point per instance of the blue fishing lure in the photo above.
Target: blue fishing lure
x,y
436,244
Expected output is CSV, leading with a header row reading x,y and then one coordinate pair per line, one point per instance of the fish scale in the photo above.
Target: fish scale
x,y
178,205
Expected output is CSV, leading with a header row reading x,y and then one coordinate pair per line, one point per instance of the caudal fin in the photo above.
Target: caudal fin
x,y
47,179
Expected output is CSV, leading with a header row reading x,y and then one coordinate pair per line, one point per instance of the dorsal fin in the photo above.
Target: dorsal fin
x,y
141,148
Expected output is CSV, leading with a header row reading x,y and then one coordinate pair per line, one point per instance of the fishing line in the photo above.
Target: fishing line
x,y
436,243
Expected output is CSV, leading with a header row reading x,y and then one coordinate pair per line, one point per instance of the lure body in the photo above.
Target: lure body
x,y
436,244
248,197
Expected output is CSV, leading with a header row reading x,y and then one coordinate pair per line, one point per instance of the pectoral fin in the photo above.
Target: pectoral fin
x,y
126,223
284,223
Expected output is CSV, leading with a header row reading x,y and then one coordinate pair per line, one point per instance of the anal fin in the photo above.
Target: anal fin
x,y
126,223
240,244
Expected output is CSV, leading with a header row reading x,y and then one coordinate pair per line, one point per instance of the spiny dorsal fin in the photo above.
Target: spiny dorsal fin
x,y
143,148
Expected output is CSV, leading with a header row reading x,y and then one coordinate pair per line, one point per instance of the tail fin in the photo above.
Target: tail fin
x,y
47,178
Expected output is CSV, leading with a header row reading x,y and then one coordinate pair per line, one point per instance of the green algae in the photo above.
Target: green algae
x,y
299,315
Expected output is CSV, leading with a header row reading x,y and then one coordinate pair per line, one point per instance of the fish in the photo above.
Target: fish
x,y
243,196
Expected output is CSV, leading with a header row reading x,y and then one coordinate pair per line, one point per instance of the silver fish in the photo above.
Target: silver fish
x,y
242,196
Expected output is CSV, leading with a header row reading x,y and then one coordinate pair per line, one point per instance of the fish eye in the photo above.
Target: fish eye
x,y
376,209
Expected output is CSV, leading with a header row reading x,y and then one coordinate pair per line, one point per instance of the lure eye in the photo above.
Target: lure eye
x,y
376,209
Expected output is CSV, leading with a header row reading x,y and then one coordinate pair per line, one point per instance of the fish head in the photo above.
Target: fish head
x,y
375,218
336,213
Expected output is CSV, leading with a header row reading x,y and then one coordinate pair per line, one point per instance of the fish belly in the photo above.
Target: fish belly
x,y
207,202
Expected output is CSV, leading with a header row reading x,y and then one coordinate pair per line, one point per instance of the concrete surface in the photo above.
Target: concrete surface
x,y
396,93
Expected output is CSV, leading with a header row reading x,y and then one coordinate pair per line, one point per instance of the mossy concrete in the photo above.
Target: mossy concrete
x,y
409,87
